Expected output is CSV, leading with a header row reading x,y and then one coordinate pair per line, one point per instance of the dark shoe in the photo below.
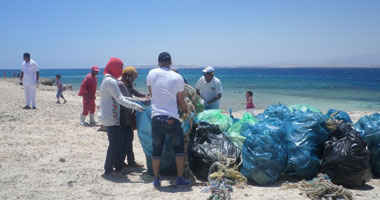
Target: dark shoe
x,y
34,107
157,182
181,182
57,102
113,174
136,165
26,107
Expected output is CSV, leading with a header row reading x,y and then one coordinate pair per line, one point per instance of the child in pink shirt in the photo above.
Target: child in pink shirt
x,y
250,106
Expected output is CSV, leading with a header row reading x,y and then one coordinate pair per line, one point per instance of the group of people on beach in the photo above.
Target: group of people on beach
x,y
117,108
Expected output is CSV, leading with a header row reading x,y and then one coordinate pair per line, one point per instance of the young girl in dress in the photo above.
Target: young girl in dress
x,y
250,106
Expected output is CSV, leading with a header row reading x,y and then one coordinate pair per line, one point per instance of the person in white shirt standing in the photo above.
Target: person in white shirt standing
x,y
166,89
29,78
209,88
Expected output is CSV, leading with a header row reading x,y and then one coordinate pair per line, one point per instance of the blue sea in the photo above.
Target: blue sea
x,y
346,89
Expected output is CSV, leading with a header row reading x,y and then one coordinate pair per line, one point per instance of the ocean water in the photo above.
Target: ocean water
x,y
340,88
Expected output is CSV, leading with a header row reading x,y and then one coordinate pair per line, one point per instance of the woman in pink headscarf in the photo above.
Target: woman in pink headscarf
x,y
109,114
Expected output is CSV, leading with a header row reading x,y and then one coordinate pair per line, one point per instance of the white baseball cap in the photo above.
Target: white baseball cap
x,y
208,69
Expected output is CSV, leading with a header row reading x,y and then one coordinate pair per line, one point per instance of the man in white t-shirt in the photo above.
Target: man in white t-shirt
x,y
209,88
166,89
29,78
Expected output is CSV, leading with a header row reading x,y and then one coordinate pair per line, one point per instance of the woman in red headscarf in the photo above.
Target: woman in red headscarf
x,y
109,114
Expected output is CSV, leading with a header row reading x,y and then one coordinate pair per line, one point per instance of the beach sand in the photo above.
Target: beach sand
x,y
46,154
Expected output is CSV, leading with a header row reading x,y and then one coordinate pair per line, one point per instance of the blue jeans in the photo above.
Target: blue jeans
x,y
127,144
114,158
163,125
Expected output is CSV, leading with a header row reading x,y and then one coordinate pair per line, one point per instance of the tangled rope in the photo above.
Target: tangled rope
x,y
225,170
322,187
331,123
219,190
190,99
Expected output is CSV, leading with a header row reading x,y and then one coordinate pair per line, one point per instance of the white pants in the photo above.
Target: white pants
x,y
250,110
30,94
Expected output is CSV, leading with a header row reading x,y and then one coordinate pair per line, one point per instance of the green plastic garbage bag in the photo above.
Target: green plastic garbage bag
x,y
215,116
239,127
303,108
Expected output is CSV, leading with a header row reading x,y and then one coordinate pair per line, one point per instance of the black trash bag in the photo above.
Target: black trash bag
x,y
207,144
346,159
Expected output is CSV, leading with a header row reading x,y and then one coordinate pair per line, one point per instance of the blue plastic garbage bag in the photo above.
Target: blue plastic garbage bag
x,y
341,115
144,131
369,129
306,135
264,151
304,108
278,111
238,127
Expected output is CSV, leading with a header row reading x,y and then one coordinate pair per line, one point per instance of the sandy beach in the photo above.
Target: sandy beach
x,y
46,154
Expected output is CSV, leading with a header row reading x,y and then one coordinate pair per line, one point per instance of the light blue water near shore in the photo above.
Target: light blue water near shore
x,y
340,88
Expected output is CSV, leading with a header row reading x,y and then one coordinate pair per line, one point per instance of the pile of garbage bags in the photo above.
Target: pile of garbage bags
x,y
346,159
369,128
291,140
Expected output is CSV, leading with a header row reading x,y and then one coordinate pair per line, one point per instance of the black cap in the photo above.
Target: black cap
x,y
164,57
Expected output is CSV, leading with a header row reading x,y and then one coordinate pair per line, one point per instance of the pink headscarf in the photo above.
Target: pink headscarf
x,y
114,67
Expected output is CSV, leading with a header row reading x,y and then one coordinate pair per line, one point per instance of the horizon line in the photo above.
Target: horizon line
x,y
229,66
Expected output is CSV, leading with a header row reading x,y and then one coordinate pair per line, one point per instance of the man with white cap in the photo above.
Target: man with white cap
x,y
209,88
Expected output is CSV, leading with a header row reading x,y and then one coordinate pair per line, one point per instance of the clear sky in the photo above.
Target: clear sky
x,y
79,33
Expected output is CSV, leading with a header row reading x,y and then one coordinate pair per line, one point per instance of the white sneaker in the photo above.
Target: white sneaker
x,y
83,120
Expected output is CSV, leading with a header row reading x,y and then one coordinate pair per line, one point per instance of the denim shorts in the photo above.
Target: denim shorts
x,y
59,92
163,125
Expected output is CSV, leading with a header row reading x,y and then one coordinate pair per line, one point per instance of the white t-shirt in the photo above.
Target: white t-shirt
x,y
209,90
165,85
29,68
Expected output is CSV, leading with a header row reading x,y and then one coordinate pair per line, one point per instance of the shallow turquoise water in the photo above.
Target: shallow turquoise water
x,y
340,88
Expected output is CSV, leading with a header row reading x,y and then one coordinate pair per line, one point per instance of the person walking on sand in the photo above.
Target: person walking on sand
x,y
209,88
166,89
88,92
249,104
127,115
60,88
29,78
109,115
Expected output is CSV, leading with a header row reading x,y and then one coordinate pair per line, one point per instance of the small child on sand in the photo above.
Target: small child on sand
x,y
60,88
250,106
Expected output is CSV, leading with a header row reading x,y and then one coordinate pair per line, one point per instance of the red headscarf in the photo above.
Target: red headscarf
x,y
114,67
